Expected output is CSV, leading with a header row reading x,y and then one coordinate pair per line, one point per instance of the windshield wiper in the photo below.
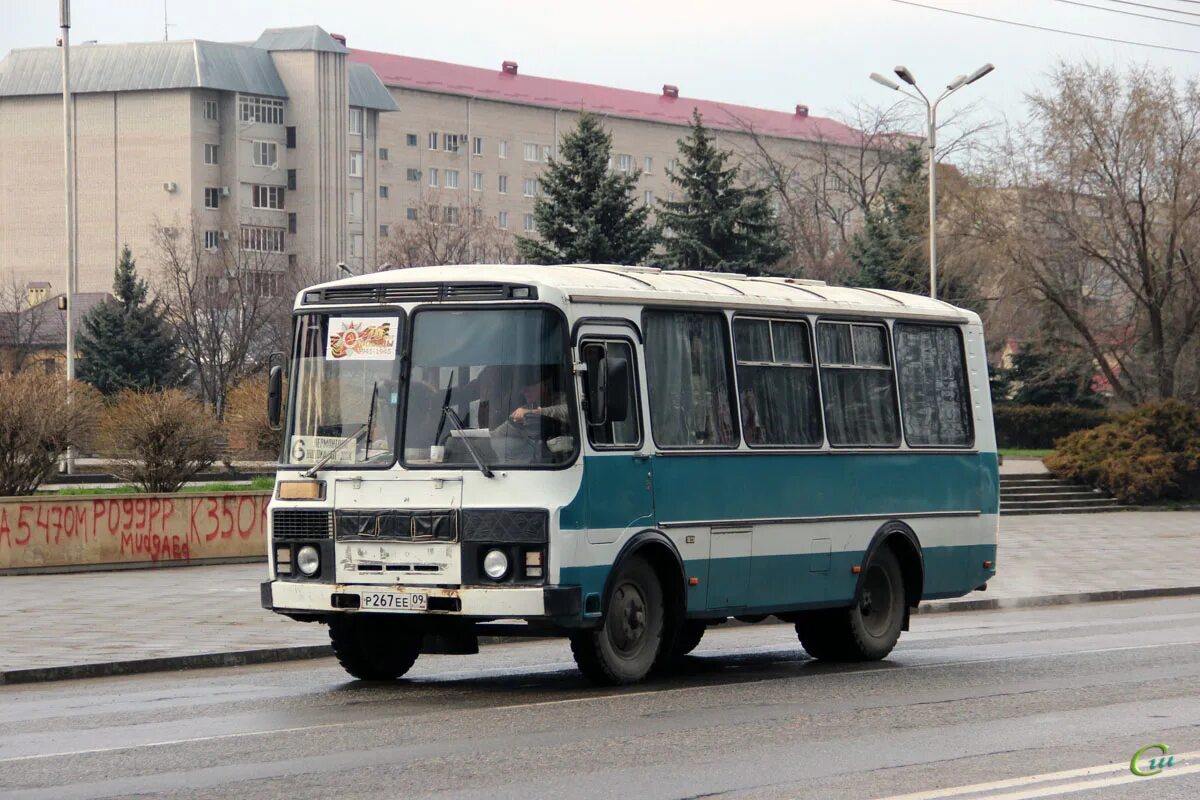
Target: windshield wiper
x,y
371,420
311,472
452,415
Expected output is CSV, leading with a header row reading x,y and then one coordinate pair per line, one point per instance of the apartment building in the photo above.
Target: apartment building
x,y
306,152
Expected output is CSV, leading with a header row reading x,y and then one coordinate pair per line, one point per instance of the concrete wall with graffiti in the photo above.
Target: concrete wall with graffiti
x,y
40,532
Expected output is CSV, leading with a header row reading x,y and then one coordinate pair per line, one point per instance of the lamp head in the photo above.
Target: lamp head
x,y
882,81
957,83
979,73
906,76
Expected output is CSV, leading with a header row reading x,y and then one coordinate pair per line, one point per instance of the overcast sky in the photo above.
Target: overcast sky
x,y
769,54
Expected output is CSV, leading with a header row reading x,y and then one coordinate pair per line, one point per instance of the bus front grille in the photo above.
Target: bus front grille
x,y
291,524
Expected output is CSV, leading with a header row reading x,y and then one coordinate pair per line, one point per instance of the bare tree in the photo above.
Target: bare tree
x,y
1102,220
20,324
449,229
220,300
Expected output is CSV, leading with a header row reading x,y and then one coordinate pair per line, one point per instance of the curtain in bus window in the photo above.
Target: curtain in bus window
x,y
688,375
777,388
857,385
933,385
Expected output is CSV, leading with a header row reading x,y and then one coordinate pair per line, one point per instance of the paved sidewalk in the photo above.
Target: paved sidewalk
x,y
93,618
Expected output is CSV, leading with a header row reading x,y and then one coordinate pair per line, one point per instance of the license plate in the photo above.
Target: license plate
x,y
400,601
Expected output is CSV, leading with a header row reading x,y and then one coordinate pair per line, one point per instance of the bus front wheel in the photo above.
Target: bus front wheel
x,y
373,648
627,643
868,630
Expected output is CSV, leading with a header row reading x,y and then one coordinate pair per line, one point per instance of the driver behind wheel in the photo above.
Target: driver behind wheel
x,y
537,430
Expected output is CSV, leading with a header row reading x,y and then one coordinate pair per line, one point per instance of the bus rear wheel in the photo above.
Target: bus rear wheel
x,y
869,630
627,643
374,648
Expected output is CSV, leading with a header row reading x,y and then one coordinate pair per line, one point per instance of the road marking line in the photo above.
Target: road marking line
x,y
596,697
1071,788
1047,777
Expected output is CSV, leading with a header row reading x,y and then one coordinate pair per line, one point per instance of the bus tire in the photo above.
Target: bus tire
x,y
688,638
868,630
624,648
372,648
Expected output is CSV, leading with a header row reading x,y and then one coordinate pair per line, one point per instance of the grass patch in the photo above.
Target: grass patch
x,y
1017,452
257,484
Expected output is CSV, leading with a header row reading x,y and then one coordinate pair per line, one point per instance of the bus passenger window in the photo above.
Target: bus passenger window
x,y
857,385
687,372
777,382
612,434
933,385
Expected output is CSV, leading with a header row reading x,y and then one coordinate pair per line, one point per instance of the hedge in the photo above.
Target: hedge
x,y
1037,427
1150,453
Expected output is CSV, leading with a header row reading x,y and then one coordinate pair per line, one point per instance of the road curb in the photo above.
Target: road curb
x,y
239,658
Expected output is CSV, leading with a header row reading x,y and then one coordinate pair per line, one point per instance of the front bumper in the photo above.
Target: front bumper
x,y
482,602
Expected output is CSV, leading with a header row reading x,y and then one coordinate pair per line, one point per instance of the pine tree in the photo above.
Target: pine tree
x,y
891,251
125,343
588,213
720,224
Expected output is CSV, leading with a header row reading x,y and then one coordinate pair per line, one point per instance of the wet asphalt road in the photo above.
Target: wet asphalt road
x,y
1022,703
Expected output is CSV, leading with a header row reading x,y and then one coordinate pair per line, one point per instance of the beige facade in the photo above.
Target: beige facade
x,y
291,149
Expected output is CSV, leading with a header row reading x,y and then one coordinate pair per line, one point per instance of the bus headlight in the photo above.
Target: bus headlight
x,y
308,560
495,564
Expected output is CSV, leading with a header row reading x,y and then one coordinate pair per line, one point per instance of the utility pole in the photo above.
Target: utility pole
x,y
64,22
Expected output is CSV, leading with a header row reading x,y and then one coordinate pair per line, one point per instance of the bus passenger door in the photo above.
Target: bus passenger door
x,y
618,472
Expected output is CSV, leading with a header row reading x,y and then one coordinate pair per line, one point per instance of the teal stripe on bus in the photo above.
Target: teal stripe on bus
x,y
715,487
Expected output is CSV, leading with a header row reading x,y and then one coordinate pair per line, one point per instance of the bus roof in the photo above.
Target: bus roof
x,y
608,283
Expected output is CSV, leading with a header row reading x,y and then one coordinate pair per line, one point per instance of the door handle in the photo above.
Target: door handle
x,y
641,458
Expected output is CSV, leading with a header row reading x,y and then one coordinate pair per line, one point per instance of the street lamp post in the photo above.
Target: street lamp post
x,y
64,21
931,141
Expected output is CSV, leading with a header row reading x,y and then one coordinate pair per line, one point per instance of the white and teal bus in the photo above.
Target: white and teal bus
x,y
624,456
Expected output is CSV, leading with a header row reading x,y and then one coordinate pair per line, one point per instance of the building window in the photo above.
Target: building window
x,y
433,176
529,187
477,215
857,384
527,223
531,151
688,375
290,135
261,109
503,220
624,162
412,174
450,142
267,196
502,148
356,120
356,245
212,240
383,193
933,385
451,179
291,222
546,152
477,181
648,198
410,139
211,110
291,180
502,184
212,197
211,154
356,164
648,167
672,164
433,140
477,146
264,154
355,203
450,215
383,154
383,231
258,239
777,382
410,213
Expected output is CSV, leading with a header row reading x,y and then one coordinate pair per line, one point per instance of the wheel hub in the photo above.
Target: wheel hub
x,y
875,604
627,626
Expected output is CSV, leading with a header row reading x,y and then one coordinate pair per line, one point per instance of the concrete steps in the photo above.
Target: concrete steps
x,y
1043,494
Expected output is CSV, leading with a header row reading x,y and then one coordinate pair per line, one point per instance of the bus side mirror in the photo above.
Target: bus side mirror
x,y
616,403
274,396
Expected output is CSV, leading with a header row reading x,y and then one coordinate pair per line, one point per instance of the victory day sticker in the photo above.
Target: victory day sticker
x,y
362,338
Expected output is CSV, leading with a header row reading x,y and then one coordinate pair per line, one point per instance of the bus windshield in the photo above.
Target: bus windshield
x,y
492,381
346,371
